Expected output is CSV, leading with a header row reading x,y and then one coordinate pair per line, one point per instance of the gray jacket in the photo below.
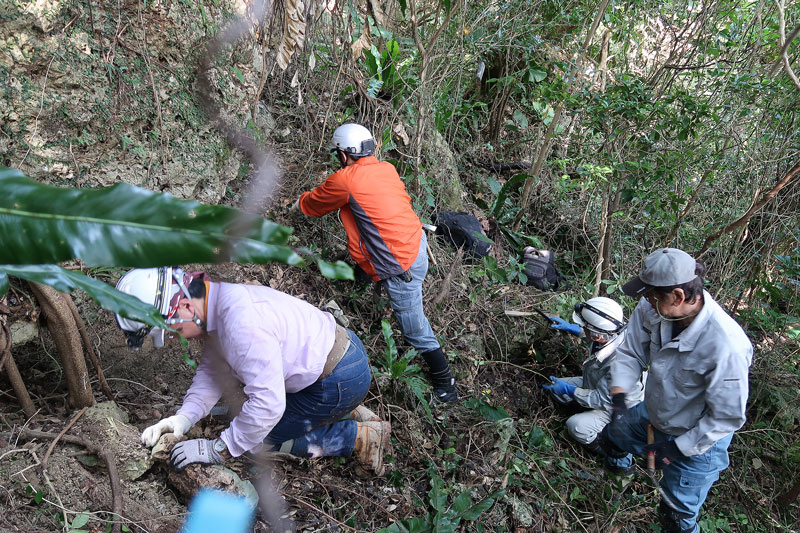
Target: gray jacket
x,y
697,388
593,391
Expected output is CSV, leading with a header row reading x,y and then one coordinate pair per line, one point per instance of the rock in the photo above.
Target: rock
x,y
44,13
442,172
523,513
106,423
160,451
23,331
104,410
193,477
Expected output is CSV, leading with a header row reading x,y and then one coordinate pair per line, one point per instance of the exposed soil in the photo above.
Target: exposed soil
x,y
69,118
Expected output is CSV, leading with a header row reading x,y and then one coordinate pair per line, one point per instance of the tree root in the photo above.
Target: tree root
x,y
63,328
20,391
55,440
113,474
101,379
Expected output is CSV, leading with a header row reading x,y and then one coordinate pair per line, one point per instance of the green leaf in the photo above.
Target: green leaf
x,y
128,226
539,439
80,520
238,73
536,75
520,118
418,388
437,495
461,503
503,194
403,7
489,412
482,506
107,296
337,270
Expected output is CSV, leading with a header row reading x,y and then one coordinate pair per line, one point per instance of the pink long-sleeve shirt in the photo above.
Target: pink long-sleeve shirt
x,y
269,341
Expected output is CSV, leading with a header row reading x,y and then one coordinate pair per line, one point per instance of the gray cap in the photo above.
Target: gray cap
x,y
666,267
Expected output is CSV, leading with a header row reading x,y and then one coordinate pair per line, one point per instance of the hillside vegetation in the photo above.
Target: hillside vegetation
x,y
626,127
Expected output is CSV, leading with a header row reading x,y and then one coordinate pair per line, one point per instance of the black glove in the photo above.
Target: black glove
x,y
618,407
666,452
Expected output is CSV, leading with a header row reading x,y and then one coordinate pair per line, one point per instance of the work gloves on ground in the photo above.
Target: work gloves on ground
x,y
177,425
561,390
562,325
196,451
666,452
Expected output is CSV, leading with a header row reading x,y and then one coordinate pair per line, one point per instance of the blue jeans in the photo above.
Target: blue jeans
x,y
313,415
686,481
406,301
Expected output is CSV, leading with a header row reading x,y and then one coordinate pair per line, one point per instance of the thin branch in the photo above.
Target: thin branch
x,y
784,56
741,221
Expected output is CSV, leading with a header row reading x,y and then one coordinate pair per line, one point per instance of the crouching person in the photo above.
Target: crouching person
x,y
302,373
602,321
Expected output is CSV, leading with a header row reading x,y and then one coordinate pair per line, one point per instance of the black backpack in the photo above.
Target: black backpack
x,y
463,230
541,270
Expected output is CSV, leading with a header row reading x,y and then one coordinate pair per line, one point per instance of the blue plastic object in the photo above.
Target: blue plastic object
x,y
560,387
212,511
562,325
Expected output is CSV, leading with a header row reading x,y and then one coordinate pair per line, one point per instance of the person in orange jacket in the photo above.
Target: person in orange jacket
x,y
384,238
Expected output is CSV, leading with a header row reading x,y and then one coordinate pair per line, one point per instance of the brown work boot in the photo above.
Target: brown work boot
x,y
372,441
362,414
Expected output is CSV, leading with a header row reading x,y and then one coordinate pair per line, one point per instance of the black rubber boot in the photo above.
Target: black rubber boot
x,y
611,451
444,384
596,447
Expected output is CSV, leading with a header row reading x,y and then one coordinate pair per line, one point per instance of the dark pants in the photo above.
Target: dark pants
x,y
313,415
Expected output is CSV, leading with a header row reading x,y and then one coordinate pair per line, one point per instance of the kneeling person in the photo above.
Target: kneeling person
x,y
602,320
302,373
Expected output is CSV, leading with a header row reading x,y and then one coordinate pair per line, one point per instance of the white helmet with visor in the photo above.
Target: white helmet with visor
x,y
161,287
602,317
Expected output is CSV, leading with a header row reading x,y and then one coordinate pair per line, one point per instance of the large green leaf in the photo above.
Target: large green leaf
x,y
128,226
67,280
482,506
504,192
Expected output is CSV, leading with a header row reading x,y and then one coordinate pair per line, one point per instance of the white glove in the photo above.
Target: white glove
x,y
295,206
177,425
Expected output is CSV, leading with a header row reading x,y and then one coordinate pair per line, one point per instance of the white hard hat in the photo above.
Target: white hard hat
x,y
157,287
602,315
353,139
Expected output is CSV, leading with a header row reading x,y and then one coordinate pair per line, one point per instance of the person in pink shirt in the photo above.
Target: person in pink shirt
x,y
304,376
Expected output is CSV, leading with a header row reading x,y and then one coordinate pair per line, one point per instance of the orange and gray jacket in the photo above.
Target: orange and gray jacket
x,y
383,232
